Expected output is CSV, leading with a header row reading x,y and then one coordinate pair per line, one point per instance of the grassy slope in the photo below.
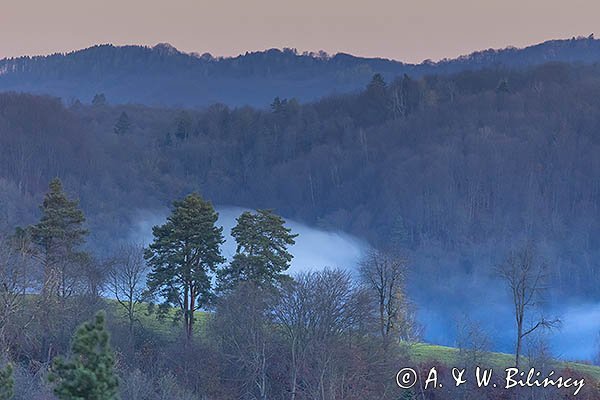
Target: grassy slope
x,y
448,356
420,352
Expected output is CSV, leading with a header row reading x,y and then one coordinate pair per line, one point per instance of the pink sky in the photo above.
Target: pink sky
x,y
405,30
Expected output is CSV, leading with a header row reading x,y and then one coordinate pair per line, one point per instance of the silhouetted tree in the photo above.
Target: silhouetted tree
x,y
123,124
525,276
99,100
127,281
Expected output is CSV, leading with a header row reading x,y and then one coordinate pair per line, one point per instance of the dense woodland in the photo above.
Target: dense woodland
x,y
456,166
162,75
447,171
174,320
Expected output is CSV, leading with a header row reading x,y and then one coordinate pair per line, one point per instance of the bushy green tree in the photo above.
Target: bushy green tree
x,y
262,254
185,251
88,374
6,383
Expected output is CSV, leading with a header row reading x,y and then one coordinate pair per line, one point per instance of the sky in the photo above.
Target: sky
x,y
409,31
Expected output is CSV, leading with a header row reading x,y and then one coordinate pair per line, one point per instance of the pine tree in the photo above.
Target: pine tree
x,y
6,383
377,86
89,373
123,124
99,100
185,251
262,254
56,241
58,235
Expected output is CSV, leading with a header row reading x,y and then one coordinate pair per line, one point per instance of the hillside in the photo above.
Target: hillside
x,y
162,75
455,169
427,353
419,353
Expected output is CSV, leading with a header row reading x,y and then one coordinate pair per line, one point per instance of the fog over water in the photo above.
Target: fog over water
x,y
484,302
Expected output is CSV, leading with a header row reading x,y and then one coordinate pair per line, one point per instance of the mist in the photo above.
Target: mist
x,y
483,299
314,248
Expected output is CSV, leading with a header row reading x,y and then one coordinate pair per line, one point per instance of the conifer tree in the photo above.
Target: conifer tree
x,y
99,100
56,241
6,383
123,124
88,374
58,236
185,251
262,254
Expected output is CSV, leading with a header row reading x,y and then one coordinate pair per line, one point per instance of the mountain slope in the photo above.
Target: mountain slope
x,y
162,75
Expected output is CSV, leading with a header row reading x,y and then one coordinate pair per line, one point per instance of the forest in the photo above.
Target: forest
x,y
164,76
446,176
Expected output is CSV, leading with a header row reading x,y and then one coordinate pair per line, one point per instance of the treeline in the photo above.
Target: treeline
x,y
188,324
444,165
242,328
162,75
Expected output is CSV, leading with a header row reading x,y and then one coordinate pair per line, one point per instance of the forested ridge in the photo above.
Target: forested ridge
x,y
469,187
162,75
455,165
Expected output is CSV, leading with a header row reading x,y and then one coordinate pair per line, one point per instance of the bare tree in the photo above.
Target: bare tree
x,y
16,280
320,313
127,281
472,341
243,322
525,277
384,276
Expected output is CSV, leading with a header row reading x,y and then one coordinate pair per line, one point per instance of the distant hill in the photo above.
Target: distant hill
x,y
162,75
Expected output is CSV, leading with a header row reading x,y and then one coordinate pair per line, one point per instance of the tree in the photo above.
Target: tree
x,y
185,251
384,277
16,280
89,373
472,341
183,125
377,85
56,240
127,281
6,382
262,254
319,313
123,124
243,322
525,277
99,100
375,104
58,236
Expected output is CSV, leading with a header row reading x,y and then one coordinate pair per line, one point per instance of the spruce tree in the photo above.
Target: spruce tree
x,y
58,236
6,383
184,254
88,374
99,100
262,254
123,124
